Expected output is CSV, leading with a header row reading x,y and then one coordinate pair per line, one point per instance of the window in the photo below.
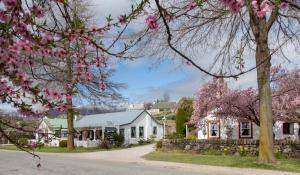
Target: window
x,y
154,130
64,134
245,129
57,133
214,129
141,131
133,132
122,132
288,128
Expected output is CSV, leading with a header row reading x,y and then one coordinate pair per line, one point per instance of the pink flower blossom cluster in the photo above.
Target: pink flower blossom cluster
x,y
260,9
234,5
24,41
152,22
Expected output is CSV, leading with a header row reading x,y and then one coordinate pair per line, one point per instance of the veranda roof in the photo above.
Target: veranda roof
x,y
56,123
108,119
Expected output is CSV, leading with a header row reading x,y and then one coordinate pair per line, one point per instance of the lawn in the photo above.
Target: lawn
x,y
292,165
55,149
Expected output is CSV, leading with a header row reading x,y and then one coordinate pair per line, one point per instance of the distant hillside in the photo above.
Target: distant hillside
x,y
89,110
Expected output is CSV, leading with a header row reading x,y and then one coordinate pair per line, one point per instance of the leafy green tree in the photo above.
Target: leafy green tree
x,y
183,114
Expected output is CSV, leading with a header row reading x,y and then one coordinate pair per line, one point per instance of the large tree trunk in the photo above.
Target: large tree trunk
x,y
70,111
263,62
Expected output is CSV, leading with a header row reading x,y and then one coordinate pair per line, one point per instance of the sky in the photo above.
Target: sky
x,y
147,81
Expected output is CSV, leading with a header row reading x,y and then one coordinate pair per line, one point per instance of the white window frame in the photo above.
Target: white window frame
x,y
242,128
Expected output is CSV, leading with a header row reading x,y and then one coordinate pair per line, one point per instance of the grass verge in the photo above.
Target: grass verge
x,y
47,149
292,165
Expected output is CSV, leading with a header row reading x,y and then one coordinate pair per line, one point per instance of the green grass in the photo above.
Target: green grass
x,y
292,165
47,149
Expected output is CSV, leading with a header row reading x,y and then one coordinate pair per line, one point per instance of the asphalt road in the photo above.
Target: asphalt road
x,y
16,163
119,162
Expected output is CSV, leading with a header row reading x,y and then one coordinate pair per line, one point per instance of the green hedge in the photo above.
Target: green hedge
x,y
63,143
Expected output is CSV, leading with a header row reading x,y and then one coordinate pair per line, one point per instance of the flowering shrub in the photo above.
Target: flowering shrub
x,y
242,150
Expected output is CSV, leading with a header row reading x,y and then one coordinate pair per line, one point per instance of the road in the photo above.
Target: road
x,y
120,162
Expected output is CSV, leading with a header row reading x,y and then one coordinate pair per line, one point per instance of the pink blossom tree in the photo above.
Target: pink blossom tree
x,y
233,29
243,104
35,32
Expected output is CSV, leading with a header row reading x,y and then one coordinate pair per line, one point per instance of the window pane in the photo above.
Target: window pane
x,y
286,128
141,131
133,132
214,129
154,130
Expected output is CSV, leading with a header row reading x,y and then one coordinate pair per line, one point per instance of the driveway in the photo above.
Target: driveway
x,y
116,162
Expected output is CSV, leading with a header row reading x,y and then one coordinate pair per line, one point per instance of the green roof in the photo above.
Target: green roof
x,y
115,118
164,105
56,123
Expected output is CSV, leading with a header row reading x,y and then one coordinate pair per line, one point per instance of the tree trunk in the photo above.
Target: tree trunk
x,y
70,111
266,154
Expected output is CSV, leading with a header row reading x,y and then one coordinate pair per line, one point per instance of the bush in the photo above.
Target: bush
x,y
23,141
243,150
141,141
63,143
104,144
174,136
158,145
118,139
192,137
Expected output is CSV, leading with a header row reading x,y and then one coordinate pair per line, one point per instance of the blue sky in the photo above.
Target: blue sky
x,y
143,76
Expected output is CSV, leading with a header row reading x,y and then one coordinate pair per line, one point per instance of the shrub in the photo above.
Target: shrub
x,y
104,144
118,139
158,145
226,151
63,143
141,141
23,141
174,136
242,150
192,137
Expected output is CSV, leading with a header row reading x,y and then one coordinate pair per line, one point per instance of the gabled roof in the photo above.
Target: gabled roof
x,y
56,123
164,105
114,118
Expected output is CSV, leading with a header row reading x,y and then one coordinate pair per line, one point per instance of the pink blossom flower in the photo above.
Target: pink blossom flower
x,y
192,4
122,19
283,5
38,11
151,22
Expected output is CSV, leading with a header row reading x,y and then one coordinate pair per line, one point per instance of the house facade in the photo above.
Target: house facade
x,y
52,131
134,125
212,127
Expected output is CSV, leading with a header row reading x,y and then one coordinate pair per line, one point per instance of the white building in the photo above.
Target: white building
x,y
136,106
134,125
52,130
212,127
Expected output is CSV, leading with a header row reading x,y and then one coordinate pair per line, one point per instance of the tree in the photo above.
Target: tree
x,y
243,104
183,114
78,78
31,32
239,28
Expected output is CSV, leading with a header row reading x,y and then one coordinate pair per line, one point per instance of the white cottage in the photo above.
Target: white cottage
x,y
212,127
52,130
134,125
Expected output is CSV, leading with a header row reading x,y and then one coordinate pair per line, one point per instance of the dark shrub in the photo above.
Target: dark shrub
x,y
63,143
158,145
174,136
104,144
118,139
23,141
141,141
